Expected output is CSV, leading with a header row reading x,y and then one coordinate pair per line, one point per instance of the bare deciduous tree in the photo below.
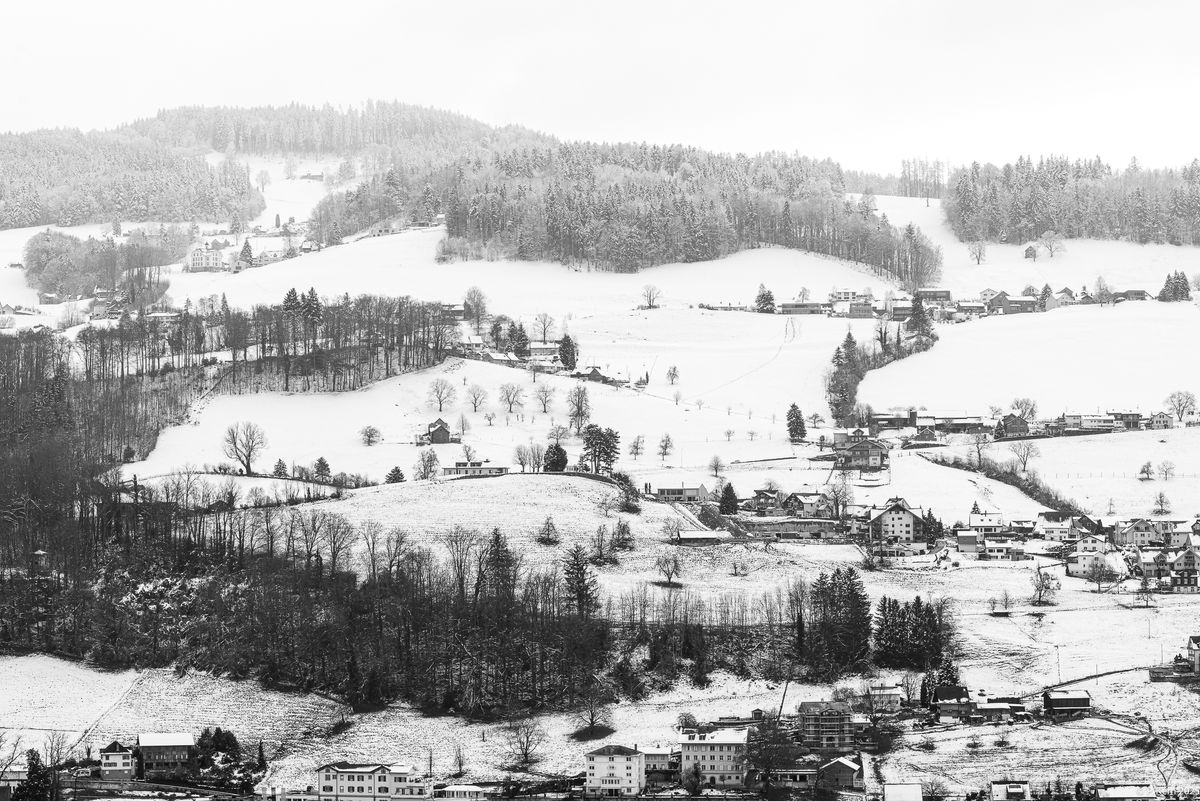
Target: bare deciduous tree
x,y
476,395
369,435
1166,470
1051,242
426,466
1025,408
1024,450
524,739
544,324
558,433
672,374
521,456
1181,403
716,465
669,566
651,295
441,392
978,250
512,395
545,396
243,443
637,447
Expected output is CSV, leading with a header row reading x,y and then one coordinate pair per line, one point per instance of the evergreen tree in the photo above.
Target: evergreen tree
x,y
555,458
918,321
975,508
38,782
261,763
1044,297
247,255
280,470
394,476
764,302
728,504
579,581
795,424
321,469
566,352
277,225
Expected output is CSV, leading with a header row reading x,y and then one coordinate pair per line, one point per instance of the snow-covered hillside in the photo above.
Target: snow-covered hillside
x,y
1082,358
1124,265
302,427
1095,470
404,264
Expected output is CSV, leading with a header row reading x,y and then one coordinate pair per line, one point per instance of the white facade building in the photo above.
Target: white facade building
x,y
339,781
615,770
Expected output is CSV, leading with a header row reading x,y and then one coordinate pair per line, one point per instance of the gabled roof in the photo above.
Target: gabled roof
x,y
614,750
115,748
951,692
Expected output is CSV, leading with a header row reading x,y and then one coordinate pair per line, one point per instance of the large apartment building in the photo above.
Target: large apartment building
x,y
721,755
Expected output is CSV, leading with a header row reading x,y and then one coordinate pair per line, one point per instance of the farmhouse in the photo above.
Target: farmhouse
x,y
806,504
897,528
166,755
1066,297
116,762
474,469
1067,703
1014,304
1161,420
1139,532
842,773
867,454
721,755
1012,426
939,297
1089,422
437,433
339,781
615,770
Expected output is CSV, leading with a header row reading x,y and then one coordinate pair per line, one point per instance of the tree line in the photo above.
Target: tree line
x,y
1020,202
66,177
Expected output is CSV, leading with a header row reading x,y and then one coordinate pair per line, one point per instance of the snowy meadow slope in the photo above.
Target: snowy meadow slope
x,y
1076,359
1124,265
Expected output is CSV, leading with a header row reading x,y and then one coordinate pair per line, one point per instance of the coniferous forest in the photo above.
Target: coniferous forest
x,y
1020,202
65,177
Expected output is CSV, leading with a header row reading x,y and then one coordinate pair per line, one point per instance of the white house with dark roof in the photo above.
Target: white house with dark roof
x,y
117,763
615,770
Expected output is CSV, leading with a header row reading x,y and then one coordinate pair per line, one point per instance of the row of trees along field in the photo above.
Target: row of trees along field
x,y
65,177
1086,198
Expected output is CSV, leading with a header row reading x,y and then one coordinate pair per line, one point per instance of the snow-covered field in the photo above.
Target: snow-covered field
x,y
399,406
1077,359
404,264
1095,470
1123,265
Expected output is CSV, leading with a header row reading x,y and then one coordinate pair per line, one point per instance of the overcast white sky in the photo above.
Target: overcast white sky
x,y
867,83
